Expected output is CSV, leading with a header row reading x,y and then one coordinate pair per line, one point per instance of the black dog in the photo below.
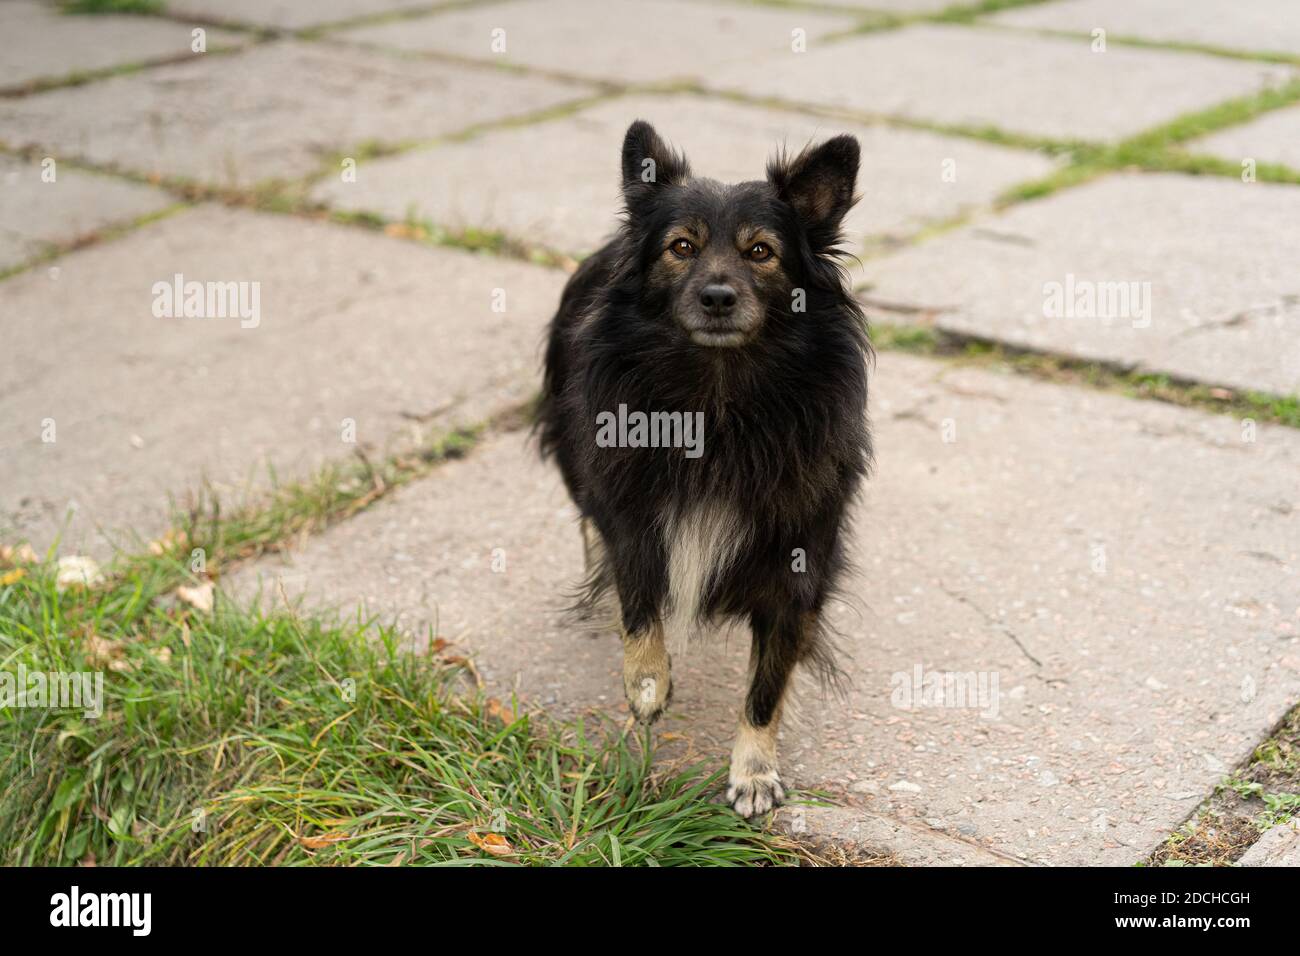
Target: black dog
x,y
722,306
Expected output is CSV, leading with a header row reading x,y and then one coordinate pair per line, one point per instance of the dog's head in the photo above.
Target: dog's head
x,y
724,259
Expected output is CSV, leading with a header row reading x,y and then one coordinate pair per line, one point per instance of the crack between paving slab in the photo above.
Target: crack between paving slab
x,y
1173,46
68,80
1192,435
1007,238
991,621
926,834
1242,318
929,832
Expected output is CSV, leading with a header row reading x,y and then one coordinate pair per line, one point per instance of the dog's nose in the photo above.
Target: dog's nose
x,y
718,299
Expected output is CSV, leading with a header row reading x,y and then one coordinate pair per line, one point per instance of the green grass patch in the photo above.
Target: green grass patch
x,y
927,341
1220,116
1067,176
968,12
266,522
112,6
236,738
1161,149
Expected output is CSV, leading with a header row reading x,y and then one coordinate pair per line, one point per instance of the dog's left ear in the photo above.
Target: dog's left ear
x,y
648,165
818,182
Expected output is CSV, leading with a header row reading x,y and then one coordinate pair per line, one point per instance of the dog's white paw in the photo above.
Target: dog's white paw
x,y
753,793
648,692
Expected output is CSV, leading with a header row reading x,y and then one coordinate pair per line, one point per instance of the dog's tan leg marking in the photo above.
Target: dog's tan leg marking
x,y
754,784
647,674
755,779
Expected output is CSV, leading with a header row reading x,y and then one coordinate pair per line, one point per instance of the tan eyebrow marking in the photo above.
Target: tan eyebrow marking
x,y
695,230
755,234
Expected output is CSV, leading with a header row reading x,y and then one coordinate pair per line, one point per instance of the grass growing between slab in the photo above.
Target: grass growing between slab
x,y
335,492
1162,149
236,738
54,250
921,340
1263,794
968,12
111,6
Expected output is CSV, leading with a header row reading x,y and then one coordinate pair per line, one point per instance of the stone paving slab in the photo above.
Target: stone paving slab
x,y
556,183
1271,138
400,338
621,41
42,44
277,110
35,215
293,14
961,75
1125,571
910,842
1260,26
1279,846
1206,263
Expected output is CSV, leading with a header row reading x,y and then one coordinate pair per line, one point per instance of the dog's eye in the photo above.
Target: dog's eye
x,y
760,252
683,248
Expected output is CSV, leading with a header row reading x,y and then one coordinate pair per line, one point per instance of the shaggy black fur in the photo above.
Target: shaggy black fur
x,y
783,390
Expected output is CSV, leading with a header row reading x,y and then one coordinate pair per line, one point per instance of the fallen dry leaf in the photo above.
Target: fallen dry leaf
x,y
323,840
500,711
77,571
23,554
198,597
402,230
106,652
173,539
493,843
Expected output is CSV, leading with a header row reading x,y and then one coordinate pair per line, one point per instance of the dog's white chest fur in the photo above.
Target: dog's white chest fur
x,y
701,543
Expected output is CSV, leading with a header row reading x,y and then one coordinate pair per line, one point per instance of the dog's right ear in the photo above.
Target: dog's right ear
x,y
648,165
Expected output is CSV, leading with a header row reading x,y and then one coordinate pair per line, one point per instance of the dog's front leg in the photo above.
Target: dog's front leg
x,y
636,562
647,673
755,779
